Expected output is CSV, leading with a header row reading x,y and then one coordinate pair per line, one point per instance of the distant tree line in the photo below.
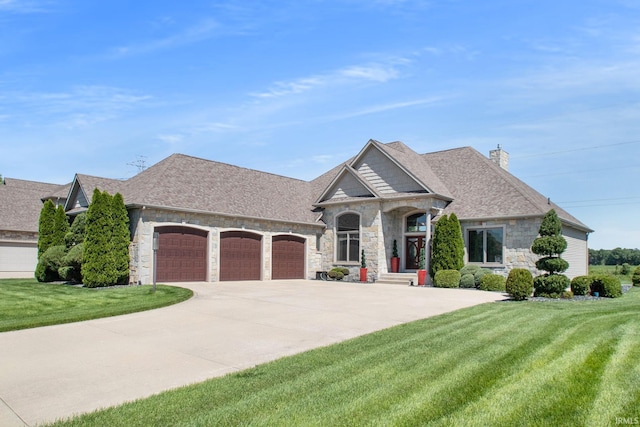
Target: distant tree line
x,y
617,256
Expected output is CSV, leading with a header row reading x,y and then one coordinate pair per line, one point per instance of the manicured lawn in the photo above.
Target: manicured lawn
x,y
564,363
28,304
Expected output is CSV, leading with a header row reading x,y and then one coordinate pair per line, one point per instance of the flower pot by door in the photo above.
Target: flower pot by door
x,y
395,264
363,274
422,277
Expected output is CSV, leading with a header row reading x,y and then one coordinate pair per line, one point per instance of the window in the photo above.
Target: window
x,y
348,238
416,223
485,245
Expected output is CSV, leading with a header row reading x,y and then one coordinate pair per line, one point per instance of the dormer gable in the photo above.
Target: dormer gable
x,y
347,184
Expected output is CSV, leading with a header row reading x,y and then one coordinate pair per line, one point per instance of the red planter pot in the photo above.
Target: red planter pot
x,y
422,277
363,274
395,264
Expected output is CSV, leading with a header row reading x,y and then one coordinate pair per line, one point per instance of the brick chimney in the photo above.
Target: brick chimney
x,y
500,157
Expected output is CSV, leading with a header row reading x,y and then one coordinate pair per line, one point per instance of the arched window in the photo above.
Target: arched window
x,y
348,229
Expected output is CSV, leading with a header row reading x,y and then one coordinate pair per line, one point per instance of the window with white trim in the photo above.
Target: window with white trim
x,y
485,245
348,231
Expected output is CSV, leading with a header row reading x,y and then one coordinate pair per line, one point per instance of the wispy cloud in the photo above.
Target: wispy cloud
x,y
385,107
196,33
22,6
377,73
79,107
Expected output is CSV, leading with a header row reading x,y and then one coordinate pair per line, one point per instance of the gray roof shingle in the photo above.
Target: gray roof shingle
x,y
20,203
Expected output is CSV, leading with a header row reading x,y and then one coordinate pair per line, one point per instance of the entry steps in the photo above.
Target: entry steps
x,y
398,278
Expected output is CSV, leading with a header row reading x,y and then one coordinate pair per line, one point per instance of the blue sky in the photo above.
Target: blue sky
x,y
296,87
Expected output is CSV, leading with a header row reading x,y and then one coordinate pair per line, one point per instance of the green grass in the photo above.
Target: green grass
x,y
28,304
614,270
564,363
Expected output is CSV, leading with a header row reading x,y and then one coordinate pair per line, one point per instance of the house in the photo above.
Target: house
x,y
211,221
20,206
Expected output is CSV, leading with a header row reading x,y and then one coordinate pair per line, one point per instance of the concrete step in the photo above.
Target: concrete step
x,y
398,278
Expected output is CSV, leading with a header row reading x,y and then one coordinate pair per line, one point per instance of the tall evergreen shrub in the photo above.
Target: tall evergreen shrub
x,y
550,245
75,236
46,227
448,245
60,226
122,238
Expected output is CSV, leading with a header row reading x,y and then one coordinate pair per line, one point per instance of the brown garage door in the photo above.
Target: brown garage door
x,y
182,254
287,257
240,256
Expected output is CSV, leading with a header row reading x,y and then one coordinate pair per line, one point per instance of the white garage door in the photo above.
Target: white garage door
x,y
18,259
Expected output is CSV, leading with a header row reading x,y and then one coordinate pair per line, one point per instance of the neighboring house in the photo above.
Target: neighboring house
x,y
20,206
218,222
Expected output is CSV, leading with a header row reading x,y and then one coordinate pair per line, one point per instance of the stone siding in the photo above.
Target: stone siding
x,y
519,236
143,222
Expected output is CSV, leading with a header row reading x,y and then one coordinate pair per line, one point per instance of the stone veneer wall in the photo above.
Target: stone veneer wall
x,y
519,236
143,221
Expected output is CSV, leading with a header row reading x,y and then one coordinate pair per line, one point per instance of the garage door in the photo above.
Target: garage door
x,y
287,257
182,254
18,259
240,256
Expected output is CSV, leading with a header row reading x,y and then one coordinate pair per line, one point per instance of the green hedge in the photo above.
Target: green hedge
x,y
635,279
580,285
493,282
446,279
519,284
467,281
550,285
606,285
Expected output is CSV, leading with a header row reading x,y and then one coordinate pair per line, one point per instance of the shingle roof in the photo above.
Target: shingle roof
x,y
185,182
482,189
20,203
416,165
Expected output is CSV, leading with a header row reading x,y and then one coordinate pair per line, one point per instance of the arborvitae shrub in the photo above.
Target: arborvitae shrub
x,y
120,240
45,227
446,279
448,245
60,226
49,263
635,279
580,285
492,282
519,284
551,286
606,285
467,281
97,257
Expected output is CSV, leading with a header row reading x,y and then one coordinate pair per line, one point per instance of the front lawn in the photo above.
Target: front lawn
x,y
561,363
26,303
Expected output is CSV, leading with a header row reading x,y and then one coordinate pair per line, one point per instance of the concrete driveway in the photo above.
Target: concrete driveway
x,y
57,371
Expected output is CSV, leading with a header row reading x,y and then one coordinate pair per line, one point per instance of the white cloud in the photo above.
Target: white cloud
x,y
79,107
21,6
196,33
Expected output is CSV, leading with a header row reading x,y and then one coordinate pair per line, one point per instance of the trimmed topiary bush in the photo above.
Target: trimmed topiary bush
x,y
469,269
49,263
476,271
519,284
580,285
606,285
71,269
467,281
551,285
493,282
446,279
478,275
337,273
635,279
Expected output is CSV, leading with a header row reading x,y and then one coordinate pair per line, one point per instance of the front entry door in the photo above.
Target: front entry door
x,y
414,244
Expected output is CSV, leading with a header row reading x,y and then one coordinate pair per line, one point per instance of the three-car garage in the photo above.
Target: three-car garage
x,y
182,255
